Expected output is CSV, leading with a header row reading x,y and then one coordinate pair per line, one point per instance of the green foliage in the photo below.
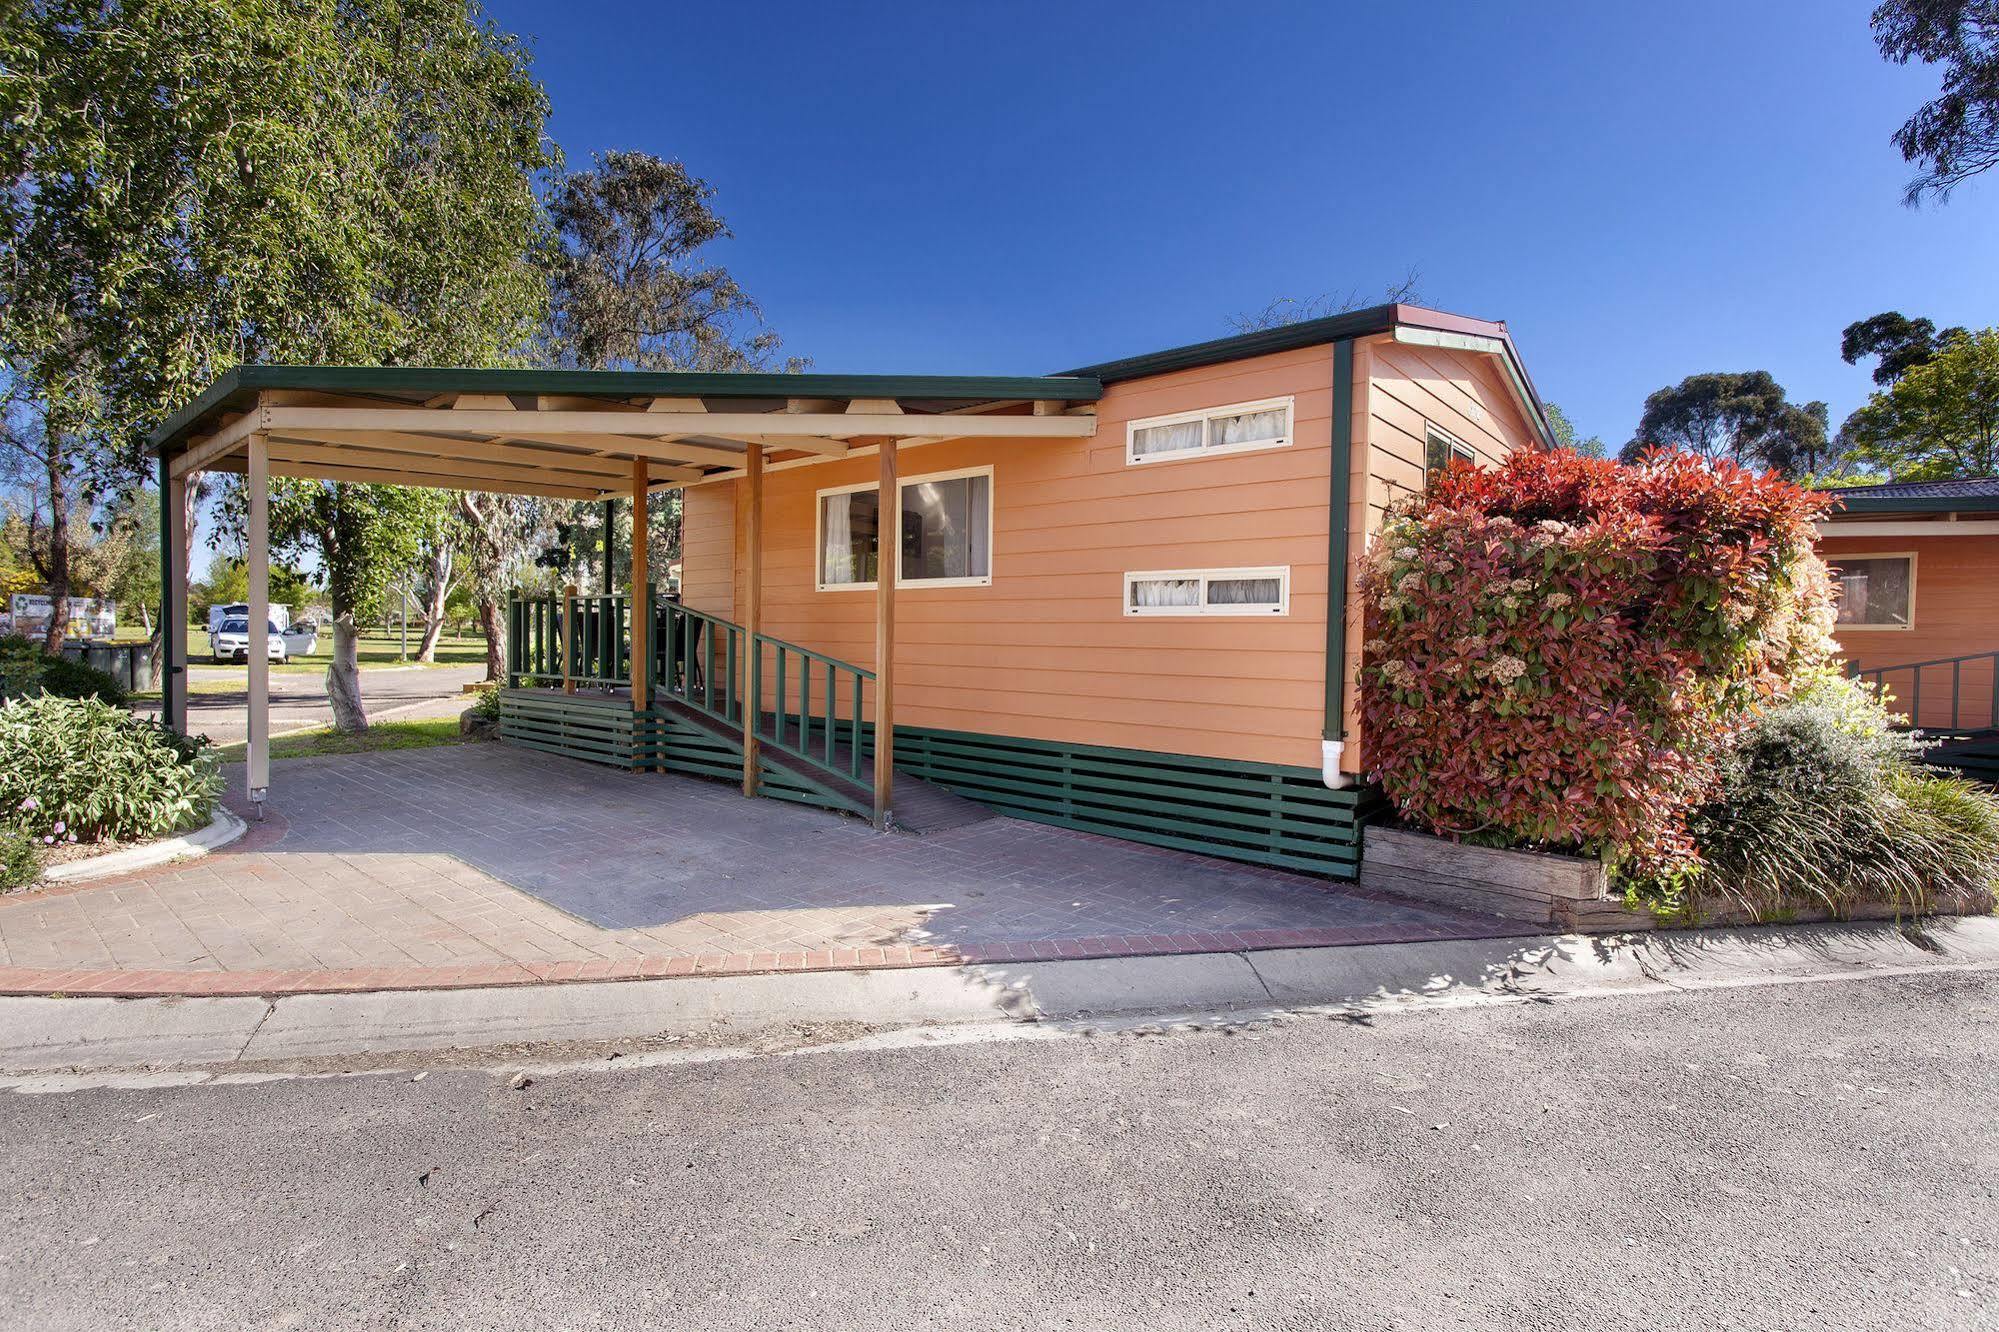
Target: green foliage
x,y
1955,135
1820,804
228,582
81,769
21,666
193,184
1939,420
26,669
73,679
20,858
1898,343
1741,418
629,286
1565,434
487,706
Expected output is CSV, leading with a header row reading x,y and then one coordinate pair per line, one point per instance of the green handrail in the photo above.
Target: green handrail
x,y
1915,669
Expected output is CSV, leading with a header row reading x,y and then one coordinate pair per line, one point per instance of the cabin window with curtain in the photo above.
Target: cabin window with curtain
x,y
1236,428
1876,591
1208,592
1441,448
946,538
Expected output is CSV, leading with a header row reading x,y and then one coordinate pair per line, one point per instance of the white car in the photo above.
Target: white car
x,y
231,642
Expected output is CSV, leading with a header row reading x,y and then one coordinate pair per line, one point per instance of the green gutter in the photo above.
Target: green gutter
x,y
1336,541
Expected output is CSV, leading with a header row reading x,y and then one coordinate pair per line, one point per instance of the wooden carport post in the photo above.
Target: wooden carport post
x,y
753,472
888,563
257,776
641,601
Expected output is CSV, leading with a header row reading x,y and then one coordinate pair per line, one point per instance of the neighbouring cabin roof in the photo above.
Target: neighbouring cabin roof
x,y
1976,494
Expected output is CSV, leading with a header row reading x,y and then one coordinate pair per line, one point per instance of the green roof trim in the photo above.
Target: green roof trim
x,y
1285,337
238,387
1331,329
1912,504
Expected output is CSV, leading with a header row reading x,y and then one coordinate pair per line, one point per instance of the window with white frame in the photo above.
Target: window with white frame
x,y
1441,448
946,541
1236,428
1208,592
1876,591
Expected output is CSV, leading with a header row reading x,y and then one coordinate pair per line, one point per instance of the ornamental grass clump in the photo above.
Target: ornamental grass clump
x,y
1560,648
1821,804
82,770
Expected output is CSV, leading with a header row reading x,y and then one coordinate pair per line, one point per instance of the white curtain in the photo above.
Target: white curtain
x,y
836,556
1177,438
1248,428
1243,591
1166,592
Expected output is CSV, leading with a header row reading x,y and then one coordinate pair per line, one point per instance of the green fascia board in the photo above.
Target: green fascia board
x,y
1890,504
1285,337
1313,333
237,388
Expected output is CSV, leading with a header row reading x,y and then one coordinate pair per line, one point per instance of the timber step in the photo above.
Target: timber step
x,y
920,807
1977,758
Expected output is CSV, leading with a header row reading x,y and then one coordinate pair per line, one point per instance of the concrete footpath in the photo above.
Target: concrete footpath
x,y
47,1034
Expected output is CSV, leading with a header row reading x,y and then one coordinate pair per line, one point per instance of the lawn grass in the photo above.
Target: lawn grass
x,y
374,650
381,736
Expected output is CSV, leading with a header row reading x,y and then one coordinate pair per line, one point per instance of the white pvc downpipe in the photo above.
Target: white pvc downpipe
x,y
1329,764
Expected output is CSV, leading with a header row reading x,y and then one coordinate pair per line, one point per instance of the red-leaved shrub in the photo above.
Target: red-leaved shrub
x,y
1559,647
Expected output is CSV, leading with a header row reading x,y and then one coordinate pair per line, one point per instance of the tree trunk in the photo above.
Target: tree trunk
x,y
343,675
437,589
494,625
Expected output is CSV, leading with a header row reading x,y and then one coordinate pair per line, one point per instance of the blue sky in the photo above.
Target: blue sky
x,y
1642,191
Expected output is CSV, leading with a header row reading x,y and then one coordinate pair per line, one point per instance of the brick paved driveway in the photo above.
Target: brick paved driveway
x,y
484,864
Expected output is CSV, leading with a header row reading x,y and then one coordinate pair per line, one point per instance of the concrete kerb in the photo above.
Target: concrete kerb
x,y
41,1034
220,831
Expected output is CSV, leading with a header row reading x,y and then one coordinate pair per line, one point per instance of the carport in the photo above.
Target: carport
x,y
571,434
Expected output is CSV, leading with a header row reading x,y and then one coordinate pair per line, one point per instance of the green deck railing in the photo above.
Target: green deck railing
x,y
836,748
1967,714
806,704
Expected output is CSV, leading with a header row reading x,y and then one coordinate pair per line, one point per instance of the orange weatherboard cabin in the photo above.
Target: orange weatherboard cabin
x,y
1116,598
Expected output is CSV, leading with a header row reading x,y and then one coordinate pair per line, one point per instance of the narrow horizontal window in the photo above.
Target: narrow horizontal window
x,y
1208,592
1235,428
1876,591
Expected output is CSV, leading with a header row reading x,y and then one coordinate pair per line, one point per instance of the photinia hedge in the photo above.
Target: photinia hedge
x,y
1560,647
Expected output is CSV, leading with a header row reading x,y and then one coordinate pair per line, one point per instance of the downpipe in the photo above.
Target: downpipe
x,y
1329,765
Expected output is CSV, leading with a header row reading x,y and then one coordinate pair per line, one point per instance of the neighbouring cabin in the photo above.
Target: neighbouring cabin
x,y
1116,599
1917,567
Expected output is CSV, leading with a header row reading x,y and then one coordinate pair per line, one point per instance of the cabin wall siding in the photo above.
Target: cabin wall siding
x,y
1046,652
1956,614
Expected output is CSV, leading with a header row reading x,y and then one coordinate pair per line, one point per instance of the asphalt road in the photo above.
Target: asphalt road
x,y
1804,1156
298,699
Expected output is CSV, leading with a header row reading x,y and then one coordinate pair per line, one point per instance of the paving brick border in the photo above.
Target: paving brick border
x,y
140,984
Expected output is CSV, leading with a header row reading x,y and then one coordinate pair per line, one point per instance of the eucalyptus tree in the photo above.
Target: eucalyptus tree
x,y
195,184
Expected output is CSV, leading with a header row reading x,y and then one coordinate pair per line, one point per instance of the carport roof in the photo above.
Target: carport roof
x,y
237,389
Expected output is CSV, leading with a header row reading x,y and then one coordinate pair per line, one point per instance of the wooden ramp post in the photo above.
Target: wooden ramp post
x,y
641,599
753,474
888,563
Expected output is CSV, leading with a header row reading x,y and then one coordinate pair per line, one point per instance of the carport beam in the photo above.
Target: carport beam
x,y
257,482
173,597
